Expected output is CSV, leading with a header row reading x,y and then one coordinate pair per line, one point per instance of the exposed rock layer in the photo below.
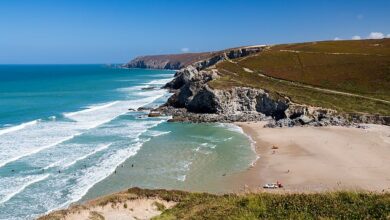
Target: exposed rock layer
x,y
198,60
193,100
173,61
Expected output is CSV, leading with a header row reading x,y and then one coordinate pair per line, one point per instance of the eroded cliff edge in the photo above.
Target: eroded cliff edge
x,y
196,99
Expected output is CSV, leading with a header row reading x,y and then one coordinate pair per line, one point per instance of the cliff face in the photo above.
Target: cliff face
x,y
173,61
195,100
197,60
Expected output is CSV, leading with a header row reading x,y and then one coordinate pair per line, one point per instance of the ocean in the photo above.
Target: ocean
x,y
67,135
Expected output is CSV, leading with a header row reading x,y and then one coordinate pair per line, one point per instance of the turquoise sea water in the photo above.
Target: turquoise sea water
x,y
66,135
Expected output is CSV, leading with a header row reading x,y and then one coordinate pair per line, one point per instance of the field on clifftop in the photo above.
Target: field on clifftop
x,y
349,76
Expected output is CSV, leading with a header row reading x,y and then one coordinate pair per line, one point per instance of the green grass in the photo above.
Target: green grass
x,y
160,207
366,75
372,47
330,205
360,74
298,94
327,205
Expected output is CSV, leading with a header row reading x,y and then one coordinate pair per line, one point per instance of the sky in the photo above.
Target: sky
x,y
115,31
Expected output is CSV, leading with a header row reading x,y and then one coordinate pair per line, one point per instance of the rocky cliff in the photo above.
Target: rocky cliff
x,y
197,60
194,100
173,61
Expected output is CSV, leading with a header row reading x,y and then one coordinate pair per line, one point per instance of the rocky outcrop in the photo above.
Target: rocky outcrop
x,y
244,104
193,100
172,61
197,60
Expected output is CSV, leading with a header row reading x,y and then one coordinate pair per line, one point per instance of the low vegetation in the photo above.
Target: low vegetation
x,y
342,205
160,207
349,76
332,205
329,205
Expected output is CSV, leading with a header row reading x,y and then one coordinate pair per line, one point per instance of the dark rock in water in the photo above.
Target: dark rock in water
x,y
131,109
148,88
144,108
142,116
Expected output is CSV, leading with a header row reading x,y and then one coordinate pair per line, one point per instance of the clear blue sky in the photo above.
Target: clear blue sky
x,y
97,31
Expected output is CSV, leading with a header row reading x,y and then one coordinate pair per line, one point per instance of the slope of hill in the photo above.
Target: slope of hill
x,y
317,80
142,203
359,67
349,76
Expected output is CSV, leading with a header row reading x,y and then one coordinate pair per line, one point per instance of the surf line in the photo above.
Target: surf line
x,y
37,150
18,127
11,195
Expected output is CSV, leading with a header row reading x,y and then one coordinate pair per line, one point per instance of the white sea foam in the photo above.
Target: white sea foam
x,y
16,186
231,127
200,150
228,139
17,127
41,136
87,155
187,165
45,144
53,164
130,89
25,147
253,163
150,93
158,133
235,128
159,81
212,146
164,75
92,175
91,109
182,178
102,166
101,115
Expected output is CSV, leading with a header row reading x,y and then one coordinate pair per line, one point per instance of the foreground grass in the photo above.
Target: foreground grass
x,y
327,205
331,205
359,68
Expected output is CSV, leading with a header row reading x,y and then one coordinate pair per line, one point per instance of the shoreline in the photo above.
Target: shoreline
x,y
317,159
270,167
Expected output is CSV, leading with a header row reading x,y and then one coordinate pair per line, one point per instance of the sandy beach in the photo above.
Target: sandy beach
x,y
312,159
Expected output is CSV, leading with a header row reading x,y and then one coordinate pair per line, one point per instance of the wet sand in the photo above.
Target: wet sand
x,y
313,159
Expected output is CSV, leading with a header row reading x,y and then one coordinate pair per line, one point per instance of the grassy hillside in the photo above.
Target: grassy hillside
x,y
336,205
340,205
350,76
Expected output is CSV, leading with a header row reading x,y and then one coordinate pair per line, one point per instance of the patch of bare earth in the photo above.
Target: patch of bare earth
x,y
126,207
